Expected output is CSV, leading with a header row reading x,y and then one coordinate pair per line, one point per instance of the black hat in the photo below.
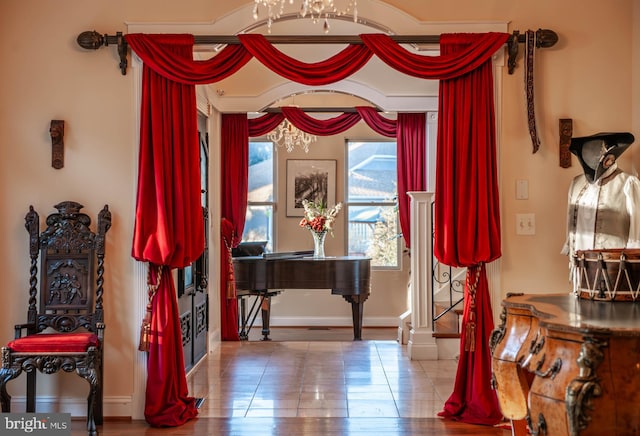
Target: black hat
x,y
593,150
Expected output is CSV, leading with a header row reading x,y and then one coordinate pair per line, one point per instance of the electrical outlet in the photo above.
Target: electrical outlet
x,y
525,224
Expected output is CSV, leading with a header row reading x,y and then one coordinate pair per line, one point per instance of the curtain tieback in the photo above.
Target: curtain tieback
x,y
145,328
231,279
470,331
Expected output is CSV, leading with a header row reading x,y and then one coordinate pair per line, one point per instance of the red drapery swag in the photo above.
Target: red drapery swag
x,y
467,223
168,232
158,55
409,131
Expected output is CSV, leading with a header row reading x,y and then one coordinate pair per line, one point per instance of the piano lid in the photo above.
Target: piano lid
x,y
288,254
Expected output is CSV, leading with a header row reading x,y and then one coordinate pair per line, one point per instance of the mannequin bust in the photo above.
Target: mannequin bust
x,y
604,200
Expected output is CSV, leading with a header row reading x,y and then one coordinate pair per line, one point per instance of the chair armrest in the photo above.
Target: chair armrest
x,y
31,328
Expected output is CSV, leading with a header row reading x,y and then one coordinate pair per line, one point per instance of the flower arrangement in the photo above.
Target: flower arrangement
x,y
317,218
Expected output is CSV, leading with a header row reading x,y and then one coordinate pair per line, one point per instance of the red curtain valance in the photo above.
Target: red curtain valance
x,y
409,131
445,66
337,67
151,49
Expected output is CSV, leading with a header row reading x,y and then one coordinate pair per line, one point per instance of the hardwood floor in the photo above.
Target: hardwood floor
x,y
315,382
298,427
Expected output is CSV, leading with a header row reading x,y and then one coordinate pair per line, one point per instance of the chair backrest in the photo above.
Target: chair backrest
x,y
71,269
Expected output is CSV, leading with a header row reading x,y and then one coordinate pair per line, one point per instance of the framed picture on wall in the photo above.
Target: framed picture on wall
x,y
313,180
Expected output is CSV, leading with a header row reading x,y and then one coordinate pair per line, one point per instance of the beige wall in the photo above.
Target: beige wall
x,y
45,76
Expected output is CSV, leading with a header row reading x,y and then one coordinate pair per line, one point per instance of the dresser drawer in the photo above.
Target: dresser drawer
x,y
547,416
554,366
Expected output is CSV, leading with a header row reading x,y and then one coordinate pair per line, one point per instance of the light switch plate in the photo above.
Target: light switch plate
x,y
525,224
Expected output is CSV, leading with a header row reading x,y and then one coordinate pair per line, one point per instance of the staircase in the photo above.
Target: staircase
x,y
448,291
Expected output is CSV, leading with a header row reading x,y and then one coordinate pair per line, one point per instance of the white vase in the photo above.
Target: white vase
x,y
318,244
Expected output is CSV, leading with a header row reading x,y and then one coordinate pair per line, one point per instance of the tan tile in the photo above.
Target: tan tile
x,y
313,403
226,403
372,408
275,413
264,403
377,396
323,395
222,413
323,413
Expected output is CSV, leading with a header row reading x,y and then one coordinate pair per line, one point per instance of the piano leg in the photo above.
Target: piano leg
x,y
243,333
266,315
357,311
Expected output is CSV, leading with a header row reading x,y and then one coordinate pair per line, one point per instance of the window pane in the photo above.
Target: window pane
x,y
258,225
260,172
259,218
373,232
372,171
371,193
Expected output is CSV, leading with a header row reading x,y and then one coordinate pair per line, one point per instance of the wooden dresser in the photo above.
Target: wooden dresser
x,y
568,366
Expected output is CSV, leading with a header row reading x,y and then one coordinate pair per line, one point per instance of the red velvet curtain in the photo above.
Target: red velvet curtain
x,y
467,223
169,230
167,56
234,142
234,139
411,155
167,400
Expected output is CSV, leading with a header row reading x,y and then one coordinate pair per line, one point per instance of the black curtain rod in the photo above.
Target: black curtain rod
x,y
92,40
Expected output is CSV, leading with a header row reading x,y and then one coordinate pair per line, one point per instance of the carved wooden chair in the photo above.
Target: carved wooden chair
x,y
65,329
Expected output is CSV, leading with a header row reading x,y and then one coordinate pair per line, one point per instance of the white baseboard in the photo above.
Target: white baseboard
x,y
116,407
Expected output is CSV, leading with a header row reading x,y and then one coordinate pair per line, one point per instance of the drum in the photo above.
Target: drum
x,y
607,274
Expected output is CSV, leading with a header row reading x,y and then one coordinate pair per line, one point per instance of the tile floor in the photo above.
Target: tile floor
x,y
294,378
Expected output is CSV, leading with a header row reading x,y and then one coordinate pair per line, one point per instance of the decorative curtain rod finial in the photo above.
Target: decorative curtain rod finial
x,y
92,40
545,38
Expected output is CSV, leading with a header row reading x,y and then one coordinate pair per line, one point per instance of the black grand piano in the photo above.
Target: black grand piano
x,y
264,276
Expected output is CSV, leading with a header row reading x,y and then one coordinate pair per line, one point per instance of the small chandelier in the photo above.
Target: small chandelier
x,y
314,8
289,136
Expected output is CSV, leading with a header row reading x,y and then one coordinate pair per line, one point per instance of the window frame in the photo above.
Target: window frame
x,y
386,203
274,195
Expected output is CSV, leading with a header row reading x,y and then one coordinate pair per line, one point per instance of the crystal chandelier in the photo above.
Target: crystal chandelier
x,y
289,136
315,9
